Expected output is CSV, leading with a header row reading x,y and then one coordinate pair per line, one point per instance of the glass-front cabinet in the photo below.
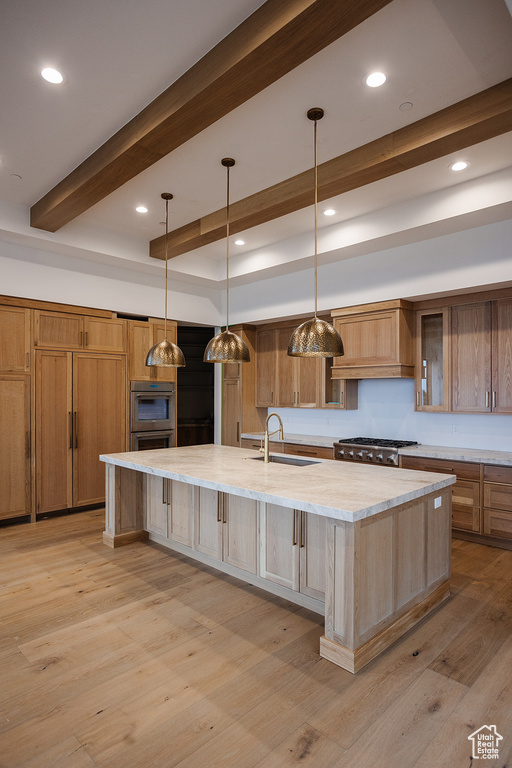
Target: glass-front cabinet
x,y
432,360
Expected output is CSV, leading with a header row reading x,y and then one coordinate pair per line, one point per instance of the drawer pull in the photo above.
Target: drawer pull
x,y
438,469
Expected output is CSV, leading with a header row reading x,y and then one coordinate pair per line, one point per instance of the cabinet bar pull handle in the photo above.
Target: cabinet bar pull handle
x,y
70,429
294,527
271,398
85,338
487,399
76,429
27,445
307,453
27,364
81,343
438,469
302,526
342,398
238,431
219,518
417,399
494,399
224,511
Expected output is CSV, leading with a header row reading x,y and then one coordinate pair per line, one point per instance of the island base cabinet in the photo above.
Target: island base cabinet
x,y
384,574
240,532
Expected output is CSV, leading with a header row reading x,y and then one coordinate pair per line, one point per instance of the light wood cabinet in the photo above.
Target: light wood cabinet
x,y
266,360
377,341
59,330
293,550
170,507
80,413
239,411
482,357
432,364
14,446
14,340
297,382
466,512
208,531
313,451
142,336
497,501
156,506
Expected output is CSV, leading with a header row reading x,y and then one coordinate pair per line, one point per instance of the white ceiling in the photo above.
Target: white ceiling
x,y
117,56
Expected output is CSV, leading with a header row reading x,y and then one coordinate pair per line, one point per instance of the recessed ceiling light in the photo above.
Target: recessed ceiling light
x,y
52,75
329,212
239,242
141,209
460,165
375,79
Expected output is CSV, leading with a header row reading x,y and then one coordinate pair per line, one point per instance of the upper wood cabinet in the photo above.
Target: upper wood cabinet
x,y
482,357
432,363
377,341
59,330
297,382
14,339
266,360
142,336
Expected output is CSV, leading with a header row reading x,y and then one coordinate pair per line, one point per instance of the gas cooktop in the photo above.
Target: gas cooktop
x,y
374,450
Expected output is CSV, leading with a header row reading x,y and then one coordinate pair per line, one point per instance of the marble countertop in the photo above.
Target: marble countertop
x,y
476,455
336,489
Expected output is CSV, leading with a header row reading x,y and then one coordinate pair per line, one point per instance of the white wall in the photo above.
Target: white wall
x,y
386,410
474,257
39,274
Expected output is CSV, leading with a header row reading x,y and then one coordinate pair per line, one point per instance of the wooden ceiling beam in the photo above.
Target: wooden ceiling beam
x,y
276,38
471,121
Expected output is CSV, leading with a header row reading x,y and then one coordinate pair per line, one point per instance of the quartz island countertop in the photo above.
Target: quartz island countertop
x,y
339,490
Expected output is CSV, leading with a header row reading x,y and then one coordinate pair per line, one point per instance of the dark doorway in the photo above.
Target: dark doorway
x,y
194,389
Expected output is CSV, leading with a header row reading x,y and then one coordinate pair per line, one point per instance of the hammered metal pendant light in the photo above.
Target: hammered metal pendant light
x,y
227,347
165,353
315,337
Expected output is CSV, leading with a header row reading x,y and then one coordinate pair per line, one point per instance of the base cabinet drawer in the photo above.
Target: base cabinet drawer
x,y
498,523
466,492
498,496
465,518
315,452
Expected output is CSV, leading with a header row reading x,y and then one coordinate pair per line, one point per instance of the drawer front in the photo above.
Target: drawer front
x,y
316,452
255,444
466,518
495,474
498,523
498,496
463,469
466,493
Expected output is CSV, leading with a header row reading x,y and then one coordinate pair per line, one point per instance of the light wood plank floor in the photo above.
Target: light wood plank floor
x,y
135,658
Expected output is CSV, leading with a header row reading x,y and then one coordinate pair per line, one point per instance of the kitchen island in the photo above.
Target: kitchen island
x,y
368,547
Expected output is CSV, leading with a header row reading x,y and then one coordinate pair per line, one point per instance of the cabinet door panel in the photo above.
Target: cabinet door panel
x,y
240,532
309,375
502,356
466,518
140,342
54,431
156,508
265,368
498,523
471,358
208,523
14,445
466,492
312,556
286,381
182,504
104,335
14,339
99,406
231,411
58,330
280,555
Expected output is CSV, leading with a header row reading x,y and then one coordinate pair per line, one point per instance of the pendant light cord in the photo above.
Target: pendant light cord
x,y
316,217
166,250
227,249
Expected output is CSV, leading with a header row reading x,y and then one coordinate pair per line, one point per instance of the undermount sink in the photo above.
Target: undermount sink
x,y
294,461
